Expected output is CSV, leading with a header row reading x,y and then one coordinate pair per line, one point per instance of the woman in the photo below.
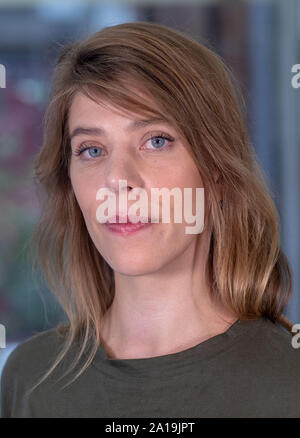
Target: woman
x,y
161,323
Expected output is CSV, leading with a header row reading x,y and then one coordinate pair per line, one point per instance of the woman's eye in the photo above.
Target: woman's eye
x,y
93,151
159,142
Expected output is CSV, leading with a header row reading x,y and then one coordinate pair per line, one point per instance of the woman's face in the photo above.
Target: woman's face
x,y
119,153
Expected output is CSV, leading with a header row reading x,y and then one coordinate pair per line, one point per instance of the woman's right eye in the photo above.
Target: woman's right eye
x,y
94,151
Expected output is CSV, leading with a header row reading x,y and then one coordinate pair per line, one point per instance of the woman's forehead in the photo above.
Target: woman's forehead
x,y
85,108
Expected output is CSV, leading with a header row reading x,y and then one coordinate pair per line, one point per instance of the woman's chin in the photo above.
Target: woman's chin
x,y
136,267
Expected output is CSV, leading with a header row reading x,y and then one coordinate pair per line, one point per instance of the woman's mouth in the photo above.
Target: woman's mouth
x,y
127,228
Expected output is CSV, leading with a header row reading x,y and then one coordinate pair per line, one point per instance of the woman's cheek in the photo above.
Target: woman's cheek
x,y
83,198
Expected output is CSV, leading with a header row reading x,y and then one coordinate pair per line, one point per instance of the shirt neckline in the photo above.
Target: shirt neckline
x,y
170,364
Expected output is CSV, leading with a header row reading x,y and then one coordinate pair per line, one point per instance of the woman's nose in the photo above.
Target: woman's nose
x,y
122,168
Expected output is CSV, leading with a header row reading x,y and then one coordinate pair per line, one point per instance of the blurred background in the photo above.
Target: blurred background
x,y
259,40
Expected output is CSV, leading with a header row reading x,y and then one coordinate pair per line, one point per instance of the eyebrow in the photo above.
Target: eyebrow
x,y
97,130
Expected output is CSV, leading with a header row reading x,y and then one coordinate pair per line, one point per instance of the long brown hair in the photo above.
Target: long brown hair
x,y
249,273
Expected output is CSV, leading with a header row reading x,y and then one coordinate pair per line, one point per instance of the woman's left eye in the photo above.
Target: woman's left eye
x,y
158,141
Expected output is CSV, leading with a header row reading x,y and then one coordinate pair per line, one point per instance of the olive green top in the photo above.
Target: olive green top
x,y
250,370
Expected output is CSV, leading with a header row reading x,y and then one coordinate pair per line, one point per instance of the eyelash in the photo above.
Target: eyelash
x,y
78,151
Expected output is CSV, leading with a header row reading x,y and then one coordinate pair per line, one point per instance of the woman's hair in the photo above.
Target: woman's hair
x,y
195,92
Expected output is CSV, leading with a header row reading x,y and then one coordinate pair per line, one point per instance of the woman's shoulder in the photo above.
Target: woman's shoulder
x,y
269,344
277,336
24,366
34,353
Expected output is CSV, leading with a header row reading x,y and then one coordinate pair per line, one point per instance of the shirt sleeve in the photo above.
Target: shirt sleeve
x,y
25,365
8,388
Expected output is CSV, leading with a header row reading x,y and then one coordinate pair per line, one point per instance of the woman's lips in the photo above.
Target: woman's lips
x,y
127,228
